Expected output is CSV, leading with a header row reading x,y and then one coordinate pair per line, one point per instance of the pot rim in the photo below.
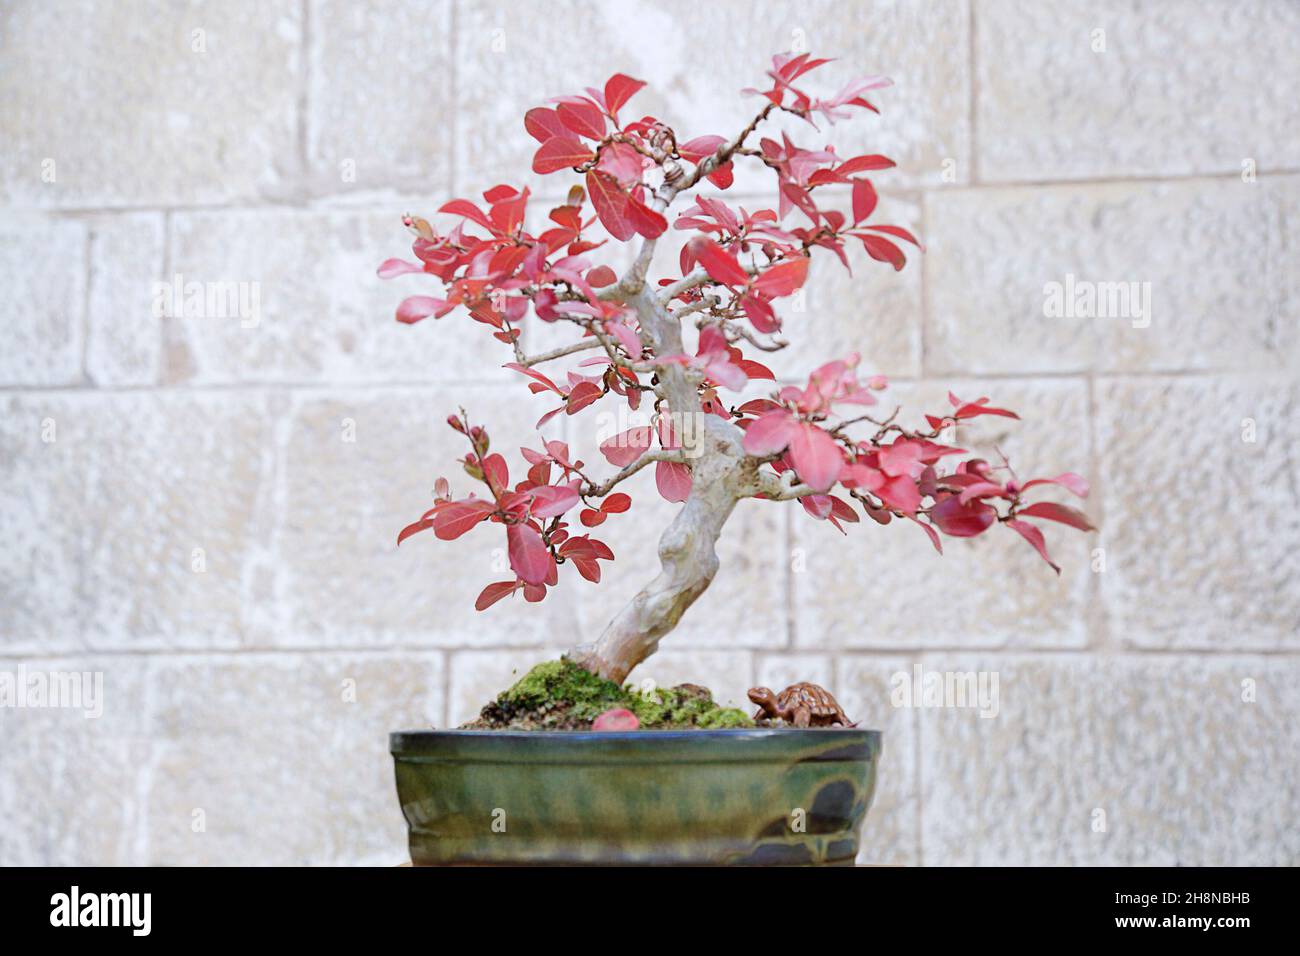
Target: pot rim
x,y
597,746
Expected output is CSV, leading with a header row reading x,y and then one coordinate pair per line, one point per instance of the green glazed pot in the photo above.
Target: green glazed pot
x,y
638,797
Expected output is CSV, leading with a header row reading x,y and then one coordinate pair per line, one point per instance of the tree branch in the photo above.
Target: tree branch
x,y
593,490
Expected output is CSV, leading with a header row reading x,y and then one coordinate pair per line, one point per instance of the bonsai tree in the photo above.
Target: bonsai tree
x,y
818,443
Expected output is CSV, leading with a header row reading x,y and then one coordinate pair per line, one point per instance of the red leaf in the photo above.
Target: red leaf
x,y
759,312
882,250
1062,513
543,123
720,264
410,529
582,395
528,554
933,535
864,199
673,480
783,278
467,210
455,519
620,88
497,472
863,164
1034,537
612,205
493,593
962,520
584,118
647,222
898,231
590,517
616,503
560,152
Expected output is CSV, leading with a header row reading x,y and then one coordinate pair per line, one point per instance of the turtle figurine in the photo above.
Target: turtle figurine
x,y
802,704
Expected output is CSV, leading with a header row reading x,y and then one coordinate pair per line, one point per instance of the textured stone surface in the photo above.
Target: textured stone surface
x,y
284,156
111,518
43,270
321,313
336,574
1180,88
1184,769
923,47
285,755
887,587
390,123
873,310
124,338
41,482
1213,251
476,677
149,103
70,788
1200,528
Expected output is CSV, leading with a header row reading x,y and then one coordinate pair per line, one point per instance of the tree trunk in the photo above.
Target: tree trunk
x,y
689,562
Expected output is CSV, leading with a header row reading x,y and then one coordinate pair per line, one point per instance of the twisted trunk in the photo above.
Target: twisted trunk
x,y
688,560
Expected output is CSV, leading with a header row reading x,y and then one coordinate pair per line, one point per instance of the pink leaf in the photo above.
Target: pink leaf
x,y
397,267
1069,480
1034,537
626,447
673,480
770,433
816,457
550,501
416,307
1062,513
617,719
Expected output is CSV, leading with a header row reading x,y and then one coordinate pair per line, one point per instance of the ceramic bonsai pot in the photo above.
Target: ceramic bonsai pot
x,y
638,797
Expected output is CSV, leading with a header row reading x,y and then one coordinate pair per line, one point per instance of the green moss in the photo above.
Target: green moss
x,y
560,694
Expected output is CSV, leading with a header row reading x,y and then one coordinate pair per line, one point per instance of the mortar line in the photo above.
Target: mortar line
x,y
329,202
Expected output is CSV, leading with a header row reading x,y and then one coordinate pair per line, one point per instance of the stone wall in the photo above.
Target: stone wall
x,y
203,510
